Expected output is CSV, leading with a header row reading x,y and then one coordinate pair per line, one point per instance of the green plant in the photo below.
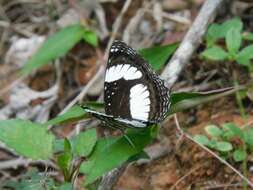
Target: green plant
x,y
85,153
232,142
228,139
237,50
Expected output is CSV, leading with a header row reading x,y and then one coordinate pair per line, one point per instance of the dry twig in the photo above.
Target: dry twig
x,y
190,42
212,153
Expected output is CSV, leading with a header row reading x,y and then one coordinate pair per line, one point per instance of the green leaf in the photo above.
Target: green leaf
x,y
157,56
113,152
213,130
66,186
58,145
248,36
30,181
84,142
239,155
229,24
233,41
201,139
215,53
182,101
26,138
232,131
55,46
248,136
217,31
213,33
73,114
223,146
65,158
212,143
245,55
91,38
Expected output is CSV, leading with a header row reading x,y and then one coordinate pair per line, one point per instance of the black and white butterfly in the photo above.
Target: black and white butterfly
x,y
134,95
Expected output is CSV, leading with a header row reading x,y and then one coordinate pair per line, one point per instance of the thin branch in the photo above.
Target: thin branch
x,y
17,162
191,41
212,153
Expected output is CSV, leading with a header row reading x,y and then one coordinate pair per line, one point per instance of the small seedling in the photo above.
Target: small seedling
x,y
232,142
236,49
228,139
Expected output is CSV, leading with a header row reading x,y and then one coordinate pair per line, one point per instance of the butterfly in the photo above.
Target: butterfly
x,y
134,95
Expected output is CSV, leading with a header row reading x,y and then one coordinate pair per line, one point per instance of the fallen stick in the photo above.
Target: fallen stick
x,y
190,42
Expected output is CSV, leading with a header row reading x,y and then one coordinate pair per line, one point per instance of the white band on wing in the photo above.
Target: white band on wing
x,y
122,71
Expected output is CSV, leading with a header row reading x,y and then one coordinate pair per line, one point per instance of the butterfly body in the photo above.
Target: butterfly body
x,y
133,93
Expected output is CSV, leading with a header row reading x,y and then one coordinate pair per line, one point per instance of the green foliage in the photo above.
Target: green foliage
x,y
26,138
90,37
233,41
73,114
224,140
215,53
84,142
218,31
201,139
245,55
64,160
158,55
31,181
113,152
231,32
58,45
213,130
239,155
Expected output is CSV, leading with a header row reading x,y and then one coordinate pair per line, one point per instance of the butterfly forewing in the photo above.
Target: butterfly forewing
x,y
132,90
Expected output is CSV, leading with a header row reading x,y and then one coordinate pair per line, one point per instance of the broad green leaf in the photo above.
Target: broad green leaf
x,y
215,53
223,146
213,130
182,101
201,139
233,41
55,46
239,155
213,33
245,55
232,131
66,186
248,136
26,138
65,158
232,23
84,142
217,31
91,37
58,145
111,153
74,113
157,56
212,143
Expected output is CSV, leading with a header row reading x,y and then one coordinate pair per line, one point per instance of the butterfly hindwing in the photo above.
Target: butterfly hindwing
x,y
132,90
